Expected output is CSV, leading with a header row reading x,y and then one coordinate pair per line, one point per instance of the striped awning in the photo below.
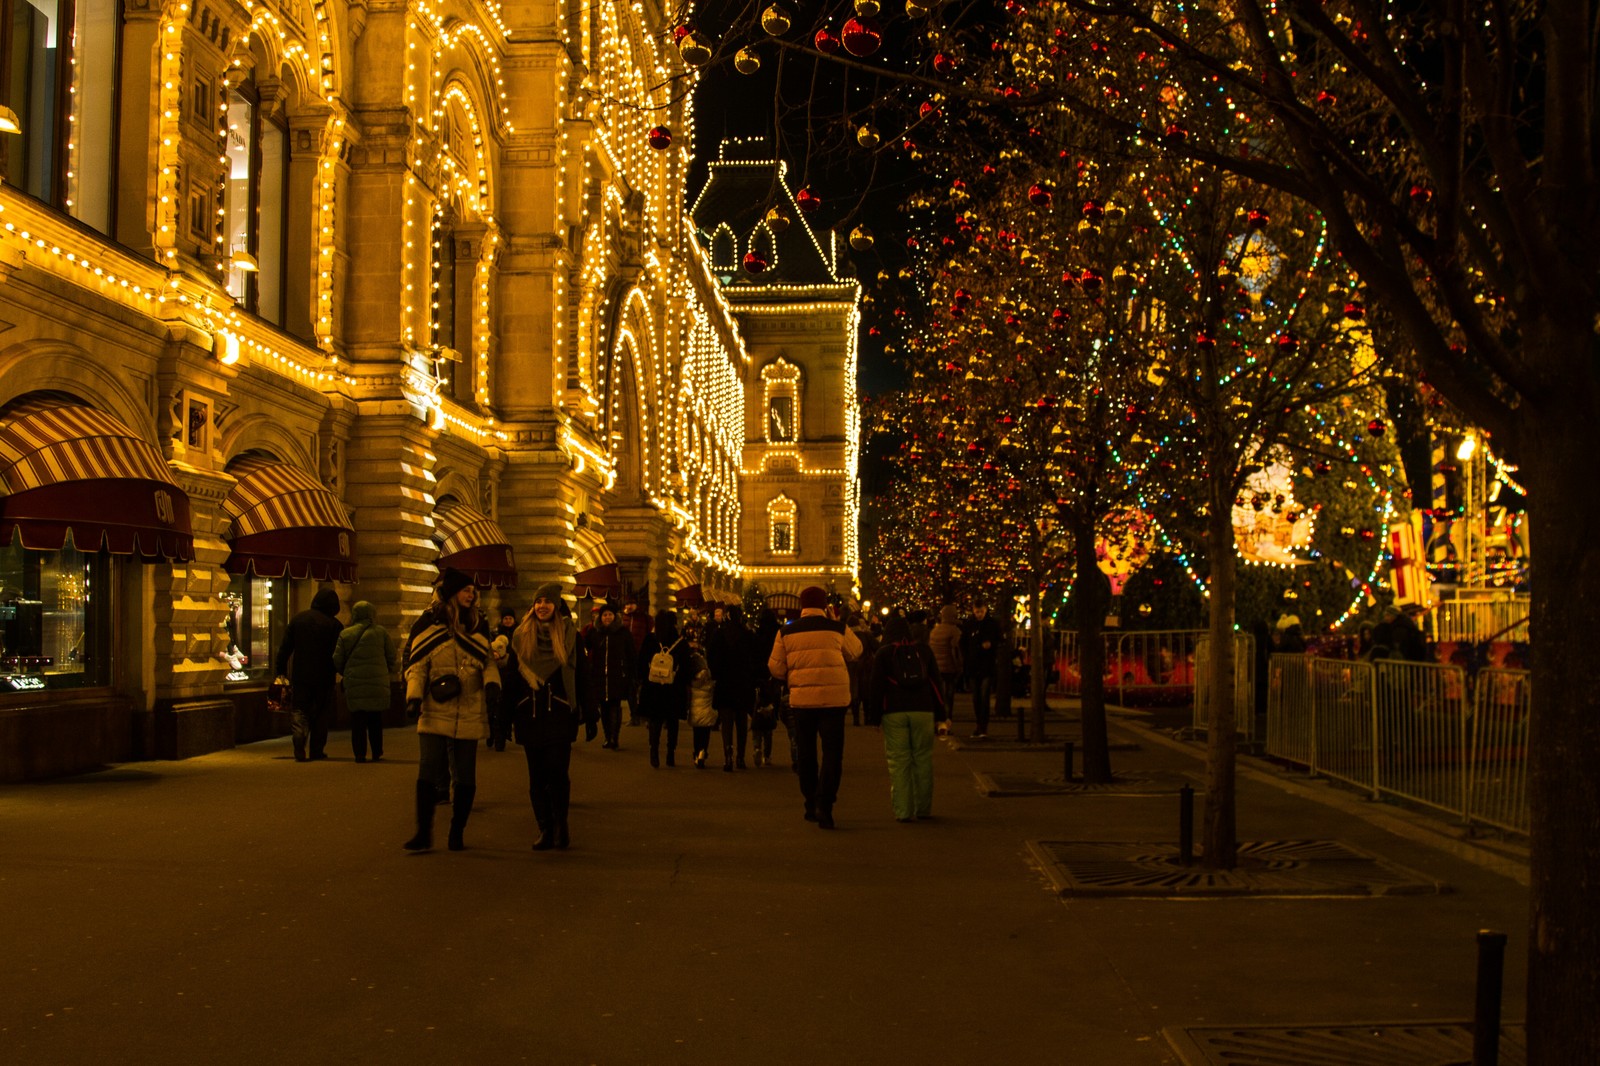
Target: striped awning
x,y
689,596
287,523
595,571
472,542
70,470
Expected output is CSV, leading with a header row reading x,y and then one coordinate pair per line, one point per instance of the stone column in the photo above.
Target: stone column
x,y
388,470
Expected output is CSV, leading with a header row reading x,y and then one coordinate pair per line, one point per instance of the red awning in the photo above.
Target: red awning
x,y
690,596
595,572
472,542
69,470
287,523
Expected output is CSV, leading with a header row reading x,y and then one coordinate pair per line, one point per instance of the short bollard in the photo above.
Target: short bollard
x,y
1486,1014
1186,825
1066,760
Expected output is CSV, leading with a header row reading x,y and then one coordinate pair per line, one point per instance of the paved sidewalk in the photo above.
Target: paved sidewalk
x,y
244,908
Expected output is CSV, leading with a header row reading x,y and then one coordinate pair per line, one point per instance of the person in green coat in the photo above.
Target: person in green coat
x,y
367,658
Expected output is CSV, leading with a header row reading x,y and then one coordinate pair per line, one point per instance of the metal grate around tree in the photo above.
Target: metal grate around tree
x,y
1377,1044
1315,869
997,785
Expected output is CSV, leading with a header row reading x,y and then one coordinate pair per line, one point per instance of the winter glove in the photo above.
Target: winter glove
x,y
413,709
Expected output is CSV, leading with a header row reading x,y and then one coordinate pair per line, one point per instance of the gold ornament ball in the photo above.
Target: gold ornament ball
x,y
746,61
868,137
776,21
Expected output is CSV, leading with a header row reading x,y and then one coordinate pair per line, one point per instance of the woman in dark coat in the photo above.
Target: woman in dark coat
x,y
611,655
664,704
545,718
735,663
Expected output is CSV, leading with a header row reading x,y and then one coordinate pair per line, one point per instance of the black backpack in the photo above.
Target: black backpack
x,y
906,667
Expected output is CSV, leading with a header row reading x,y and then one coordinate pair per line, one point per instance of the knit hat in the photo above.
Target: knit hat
x,y
451,581
550,590
812,596
603,606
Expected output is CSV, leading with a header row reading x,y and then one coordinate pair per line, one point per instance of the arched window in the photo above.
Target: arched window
x,y
724,250
781,384
782,520
58,64
255,197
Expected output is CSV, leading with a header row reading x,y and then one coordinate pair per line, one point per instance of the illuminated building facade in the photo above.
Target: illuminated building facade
x,y
798,307
313,293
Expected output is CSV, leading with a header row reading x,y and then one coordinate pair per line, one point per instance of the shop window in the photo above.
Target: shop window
x,y
55,619
258,613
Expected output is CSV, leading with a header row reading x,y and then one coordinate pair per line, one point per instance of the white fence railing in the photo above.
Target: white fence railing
x,y
1479,618
1422,732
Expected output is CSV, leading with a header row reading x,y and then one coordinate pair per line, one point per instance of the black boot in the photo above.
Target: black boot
x,y
655,755
563,837
426,801
459,815
670,760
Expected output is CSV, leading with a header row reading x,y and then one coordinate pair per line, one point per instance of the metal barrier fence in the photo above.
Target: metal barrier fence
x,y
1244,685
1423,732
1150,665
1497,781
1504,617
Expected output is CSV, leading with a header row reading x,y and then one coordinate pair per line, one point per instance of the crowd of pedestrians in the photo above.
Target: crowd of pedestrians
x,y
538,681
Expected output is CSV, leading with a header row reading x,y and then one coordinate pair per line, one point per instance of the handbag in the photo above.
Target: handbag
x,y
280,696
444,688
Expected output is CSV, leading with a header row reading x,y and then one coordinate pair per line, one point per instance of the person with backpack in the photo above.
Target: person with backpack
x,y
366,657
904,701
813,654
664,671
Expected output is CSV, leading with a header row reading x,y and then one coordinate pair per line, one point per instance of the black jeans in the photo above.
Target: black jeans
x,y
702,739
309,721
611,719
735,723
442,758
982,692
365,727
549,780
820,785
672,733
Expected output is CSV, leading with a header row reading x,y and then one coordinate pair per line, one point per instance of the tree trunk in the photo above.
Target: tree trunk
x,y
1221,829
1564,734
1036,661
1089,595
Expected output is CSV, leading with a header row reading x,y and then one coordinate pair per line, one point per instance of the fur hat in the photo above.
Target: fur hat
x,y
812,596
451,581
550,590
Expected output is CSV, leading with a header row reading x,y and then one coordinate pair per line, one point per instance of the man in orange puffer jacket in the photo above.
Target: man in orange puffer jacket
x,y
812,654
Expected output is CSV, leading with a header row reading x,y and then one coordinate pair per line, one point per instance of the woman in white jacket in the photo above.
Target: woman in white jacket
x,y
452,686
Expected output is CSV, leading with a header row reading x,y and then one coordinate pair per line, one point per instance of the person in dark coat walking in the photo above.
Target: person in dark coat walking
x,y
980,644
636,620
547,712
611,658
309,641
769,693
736,665
664,703
366,657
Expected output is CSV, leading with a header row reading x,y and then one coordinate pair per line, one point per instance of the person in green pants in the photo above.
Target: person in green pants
x,y
903,701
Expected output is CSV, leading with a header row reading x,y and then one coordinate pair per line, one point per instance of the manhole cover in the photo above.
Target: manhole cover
x,y
1287,868
1398,1044
1124,783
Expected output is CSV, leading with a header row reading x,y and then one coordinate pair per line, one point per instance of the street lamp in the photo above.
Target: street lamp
x,y
8,120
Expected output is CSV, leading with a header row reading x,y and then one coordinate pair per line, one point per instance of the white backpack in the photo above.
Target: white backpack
x,y
663,667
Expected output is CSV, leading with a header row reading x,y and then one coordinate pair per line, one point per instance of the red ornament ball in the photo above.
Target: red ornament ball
x,y
808,200
826,41
1355,310
944,65
1256,219
754,262
660,138
861,37
1039,196
1376,427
